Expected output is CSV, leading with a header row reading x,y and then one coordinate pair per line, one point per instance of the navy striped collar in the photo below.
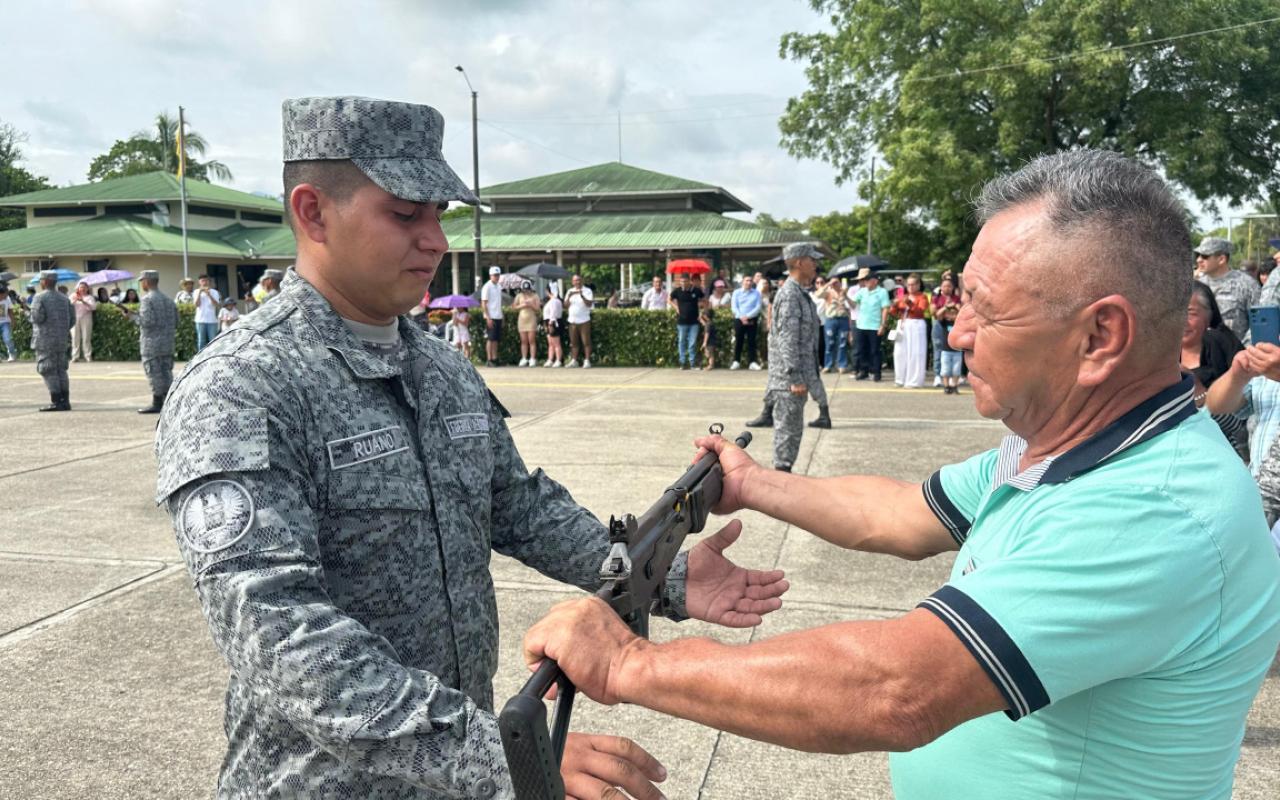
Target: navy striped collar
x,y
1161,413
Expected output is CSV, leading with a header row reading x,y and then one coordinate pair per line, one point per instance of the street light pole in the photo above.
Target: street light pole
x,y
475,165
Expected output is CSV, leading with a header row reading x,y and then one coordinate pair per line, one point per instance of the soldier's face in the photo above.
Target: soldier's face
x,y
383,251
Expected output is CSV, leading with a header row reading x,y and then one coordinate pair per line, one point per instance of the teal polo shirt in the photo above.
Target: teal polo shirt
x,y
870,304
1123,596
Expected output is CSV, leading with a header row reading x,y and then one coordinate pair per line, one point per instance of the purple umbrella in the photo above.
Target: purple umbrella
x,y
106,276
454,301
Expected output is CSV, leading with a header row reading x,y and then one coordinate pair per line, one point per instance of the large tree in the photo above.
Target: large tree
x,y
15,179
904,241
953,92
156,149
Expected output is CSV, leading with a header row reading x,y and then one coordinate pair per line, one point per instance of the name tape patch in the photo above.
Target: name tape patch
x,y
369,446
465,426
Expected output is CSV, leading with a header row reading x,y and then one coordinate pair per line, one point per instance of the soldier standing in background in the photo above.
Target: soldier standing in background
x,y
338,480
157,327
271,282
52,318
793,354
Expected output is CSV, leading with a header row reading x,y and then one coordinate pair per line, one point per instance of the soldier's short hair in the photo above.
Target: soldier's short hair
x,y
337,178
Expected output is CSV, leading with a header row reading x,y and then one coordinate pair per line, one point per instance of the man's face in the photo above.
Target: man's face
x,y
1211,263
1022,363
493,277
657,284
746,283
577,281
685,282
806,269
384,251
204,283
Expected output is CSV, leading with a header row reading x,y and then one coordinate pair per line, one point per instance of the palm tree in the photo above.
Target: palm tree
x,y
165,136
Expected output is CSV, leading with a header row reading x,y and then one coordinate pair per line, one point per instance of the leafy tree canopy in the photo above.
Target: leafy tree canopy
x,y
14,179
902,240
156,149
953,92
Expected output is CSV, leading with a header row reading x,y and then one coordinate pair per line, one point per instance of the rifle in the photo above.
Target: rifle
x,y
640,555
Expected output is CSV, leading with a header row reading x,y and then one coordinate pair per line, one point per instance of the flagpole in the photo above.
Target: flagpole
x,y
182,180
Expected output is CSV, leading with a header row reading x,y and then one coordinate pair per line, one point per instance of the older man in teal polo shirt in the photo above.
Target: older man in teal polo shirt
x,y
1115,603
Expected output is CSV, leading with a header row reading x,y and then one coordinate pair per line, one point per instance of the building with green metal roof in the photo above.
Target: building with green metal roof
x,y
605,214
611,214
135,223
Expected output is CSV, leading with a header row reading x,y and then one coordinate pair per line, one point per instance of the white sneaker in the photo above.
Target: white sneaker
x,y
547,363
557,365
735,365
586,364
754,366
11,358
937,381
573,363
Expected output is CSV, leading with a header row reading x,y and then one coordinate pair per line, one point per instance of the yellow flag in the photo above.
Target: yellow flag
x,y
181,153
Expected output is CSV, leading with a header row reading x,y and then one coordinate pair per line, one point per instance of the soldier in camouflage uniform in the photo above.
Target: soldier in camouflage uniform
x,y
337,481
793,354
52,318
271,282
157,326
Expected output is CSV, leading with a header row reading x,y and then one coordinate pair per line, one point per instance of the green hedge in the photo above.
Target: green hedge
x,y
620,337
115,338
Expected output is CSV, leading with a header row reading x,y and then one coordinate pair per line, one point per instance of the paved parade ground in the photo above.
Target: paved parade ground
x,y
111,687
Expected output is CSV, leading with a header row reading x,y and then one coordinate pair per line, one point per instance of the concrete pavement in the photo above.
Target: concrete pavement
x,y
112,688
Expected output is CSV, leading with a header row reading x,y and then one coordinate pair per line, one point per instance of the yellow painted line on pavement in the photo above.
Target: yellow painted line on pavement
x,y
517,385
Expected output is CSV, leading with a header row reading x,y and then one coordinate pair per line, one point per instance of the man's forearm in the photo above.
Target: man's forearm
x,y
859,692
856,512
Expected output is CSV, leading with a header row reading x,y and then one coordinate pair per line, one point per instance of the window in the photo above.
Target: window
x,y
211,211
127,208
37,264
65,211
253,216
96,264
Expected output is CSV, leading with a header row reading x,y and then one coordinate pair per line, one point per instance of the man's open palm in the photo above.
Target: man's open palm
x,y
720,591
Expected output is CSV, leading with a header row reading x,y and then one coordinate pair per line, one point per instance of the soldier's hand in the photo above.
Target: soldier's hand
x,y
799,389
593,764
737,467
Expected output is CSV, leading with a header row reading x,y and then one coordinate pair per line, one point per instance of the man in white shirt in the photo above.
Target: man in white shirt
x,y
655,299
491,299
579,299
206,299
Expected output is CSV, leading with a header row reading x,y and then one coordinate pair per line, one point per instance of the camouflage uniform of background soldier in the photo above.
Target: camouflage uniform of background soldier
x,y
793,360
157,327
52,318
336,498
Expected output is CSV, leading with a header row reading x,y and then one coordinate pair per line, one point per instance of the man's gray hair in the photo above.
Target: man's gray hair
x,y
1123,224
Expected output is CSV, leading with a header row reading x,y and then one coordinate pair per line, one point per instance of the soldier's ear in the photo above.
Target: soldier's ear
x,y
306,203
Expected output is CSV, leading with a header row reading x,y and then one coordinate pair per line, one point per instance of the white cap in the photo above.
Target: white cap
x,y
495,270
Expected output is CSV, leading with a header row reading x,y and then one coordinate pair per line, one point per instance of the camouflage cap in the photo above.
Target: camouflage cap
x,y
798,249
396,144
149,275
1213,246
48,275
274,274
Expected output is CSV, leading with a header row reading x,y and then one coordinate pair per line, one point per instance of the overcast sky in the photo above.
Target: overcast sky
x,y
84,73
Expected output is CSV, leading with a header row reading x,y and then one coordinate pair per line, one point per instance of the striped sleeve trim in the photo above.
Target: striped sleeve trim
x,y
998,655
957,523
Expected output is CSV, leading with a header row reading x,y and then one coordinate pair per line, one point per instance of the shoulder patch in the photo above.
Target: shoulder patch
x,y
216,515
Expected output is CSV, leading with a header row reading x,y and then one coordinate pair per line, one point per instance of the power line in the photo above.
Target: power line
x,y
535,144
1083,53
613,114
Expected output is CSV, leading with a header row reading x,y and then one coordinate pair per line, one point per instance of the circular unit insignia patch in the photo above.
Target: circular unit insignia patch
x,y
216,516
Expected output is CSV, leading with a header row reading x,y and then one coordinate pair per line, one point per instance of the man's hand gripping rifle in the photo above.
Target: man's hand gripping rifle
x,y
632,574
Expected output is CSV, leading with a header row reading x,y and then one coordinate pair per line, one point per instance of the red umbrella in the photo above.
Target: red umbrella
x,y
690,265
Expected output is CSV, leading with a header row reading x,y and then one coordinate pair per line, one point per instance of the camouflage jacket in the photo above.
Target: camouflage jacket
x,y
793,338
52,319
157,324
336,515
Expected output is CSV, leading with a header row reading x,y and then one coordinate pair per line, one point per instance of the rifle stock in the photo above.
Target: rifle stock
x,y
633,574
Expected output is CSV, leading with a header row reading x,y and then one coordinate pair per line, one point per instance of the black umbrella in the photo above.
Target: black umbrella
x,y
5,277
854,264
551,272
775,267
